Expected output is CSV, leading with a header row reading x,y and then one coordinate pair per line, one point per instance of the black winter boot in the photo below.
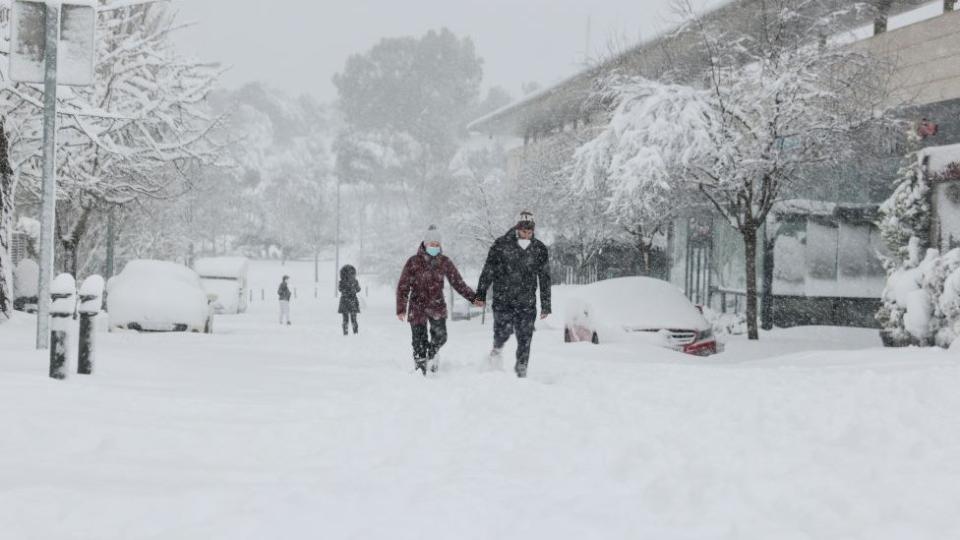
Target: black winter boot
x,y
420,364
521,370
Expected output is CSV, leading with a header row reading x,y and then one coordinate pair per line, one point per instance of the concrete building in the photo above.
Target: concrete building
x,y
921,41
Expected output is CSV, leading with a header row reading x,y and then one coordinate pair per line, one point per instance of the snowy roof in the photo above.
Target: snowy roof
x,y
567,100
806,207
563,101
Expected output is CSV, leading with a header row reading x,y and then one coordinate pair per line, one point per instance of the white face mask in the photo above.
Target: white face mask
x,y
524,244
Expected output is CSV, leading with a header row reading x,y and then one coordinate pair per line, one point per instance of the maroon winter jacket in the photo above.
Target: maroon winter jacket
x,y
422,283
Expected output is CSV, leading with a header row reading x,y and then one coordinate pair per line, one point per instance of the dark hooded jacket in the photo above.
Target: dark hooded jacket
x,y
283,291
421,285
349,288
514,273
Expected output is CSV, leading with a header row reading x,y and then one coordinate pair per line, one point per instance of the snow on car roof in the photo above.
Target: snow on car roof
x,y
148,269
232,267
641,302
941,156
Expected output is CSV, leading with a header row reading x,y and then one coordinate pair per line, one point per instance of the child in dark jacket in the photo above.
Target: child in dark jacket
x,y
349,303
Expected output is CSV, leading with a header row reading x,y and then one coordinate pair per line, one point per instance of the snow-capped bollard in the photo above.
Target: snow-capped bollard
x,y
63,304
91,301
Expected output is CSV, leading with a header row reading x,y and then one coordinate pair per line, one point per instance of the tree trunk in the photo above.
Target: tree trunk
x,y
644,249
71,243
750,244
6,222
766,307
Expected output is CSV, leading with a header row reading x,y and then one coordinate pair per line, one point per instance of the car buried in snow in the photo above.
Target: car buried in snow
x,y
159,296
638,308
225,277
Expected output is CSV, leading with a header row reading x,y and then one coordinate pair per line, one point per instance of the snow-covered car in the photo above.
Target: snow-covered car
x,y
641,308
225,277
159,296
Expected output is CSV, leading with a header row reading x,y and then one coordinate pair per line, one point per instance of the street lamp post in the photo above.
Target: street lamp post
x,y
336,264
48,209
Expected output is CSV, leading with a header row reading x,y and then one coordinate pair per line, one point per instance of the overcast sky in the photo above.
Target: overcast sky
x,y
300,44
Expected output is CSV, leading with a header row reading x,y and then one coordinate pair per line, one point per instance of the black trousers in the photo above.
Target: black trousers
x,y
424,347
349,318
519,322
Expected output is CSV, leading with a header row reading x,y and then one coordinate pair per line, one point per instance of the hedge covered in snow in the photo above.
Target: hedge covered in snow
x,y
921,301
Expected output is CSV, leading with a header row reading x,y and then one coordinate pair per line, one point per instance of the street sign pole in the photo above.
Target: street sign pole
x,y
36,31
336,263
49,201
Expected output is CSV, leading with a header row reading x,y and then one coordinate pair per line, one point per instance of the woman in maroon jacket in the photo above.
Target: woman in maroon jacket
x,y
420,298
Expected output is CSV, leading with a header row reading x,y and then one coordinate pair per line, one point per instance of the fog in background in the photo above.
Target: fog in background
x,y
298,45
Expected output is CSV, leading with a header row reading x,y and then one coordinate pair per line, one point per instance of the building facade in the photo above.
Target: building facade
x,y
821,258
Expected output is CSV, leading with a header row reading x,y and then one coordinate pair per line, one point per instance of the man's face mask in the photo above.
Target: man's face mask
x,y
524,243
433,251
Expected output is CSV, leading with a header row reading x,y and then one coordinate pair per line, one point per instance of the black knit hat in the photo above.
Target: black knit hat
x,y
526,221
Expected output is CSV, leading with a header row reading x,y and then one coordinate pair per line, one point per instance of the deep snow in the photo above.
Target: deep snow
x,y
263,431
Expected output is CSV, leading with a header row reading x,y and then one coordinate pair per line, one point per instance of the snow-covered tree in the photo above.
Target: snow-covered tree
x,y
481,179
906,214
126,136
742,127
6,224
270,192
405,103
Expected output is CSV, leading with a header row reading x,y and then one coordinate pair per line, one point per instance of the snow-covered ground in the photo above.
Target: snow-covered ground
x,y
267,431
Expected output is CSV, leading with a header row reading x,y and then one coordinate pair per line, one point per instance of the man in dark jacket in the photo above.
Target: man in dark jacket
x,y
283,292
420,298
516,264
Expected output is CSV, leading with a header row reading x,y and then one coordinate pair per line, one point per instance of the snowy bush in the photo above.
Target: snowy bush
x,y
904,226
733,324
921,302
949,306
904,289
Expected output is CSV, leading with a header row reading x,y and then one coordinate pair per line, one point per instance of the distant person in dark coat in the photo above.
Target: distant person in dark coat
x,y
420,298
516,265
349,303
283,292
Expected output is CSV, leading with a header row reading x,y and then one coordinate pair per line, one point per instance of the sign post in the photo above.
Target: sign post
x,y
36,48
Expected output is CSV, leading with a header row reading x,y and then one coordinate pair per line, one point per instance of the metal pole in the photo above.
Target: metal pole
x,y
63,307
85,353
336,264
49,200
58,353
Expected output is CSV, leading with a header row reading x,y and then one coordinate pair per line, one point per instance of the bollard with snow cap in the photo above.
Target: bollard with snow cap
x,y
91,301
63,305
